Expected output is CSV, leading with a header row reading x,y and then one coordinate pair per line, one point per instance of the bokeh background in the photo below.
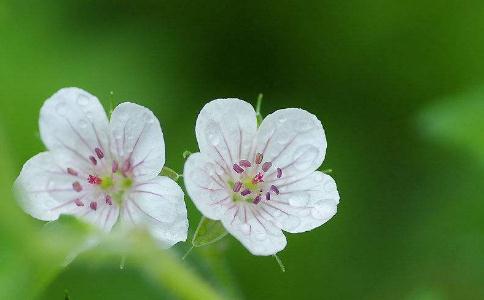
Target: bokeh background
x,y
397,85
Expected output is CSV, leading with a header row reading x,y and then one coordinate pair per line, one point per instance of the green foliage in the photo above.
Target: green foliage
x,y
208,232
458,120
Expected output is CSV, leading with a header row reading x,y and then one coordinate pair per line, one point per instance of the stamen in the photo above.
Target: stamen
x,y
72,172
115,166
245,163
238,169
93,205
99,153
78,202
126,166
275,189
245,192
258,158
257,199
279,172
109,200
93,160
266,166
77,186
237,186
94,180
268,196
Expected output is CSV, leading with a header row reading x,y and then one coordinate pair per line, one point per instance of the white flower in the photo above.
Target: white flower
x,y
100,170
260,181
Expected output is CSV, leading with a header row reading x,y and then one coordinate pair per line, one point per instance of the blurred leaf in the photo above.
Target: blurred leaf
x,y
458,121
208,232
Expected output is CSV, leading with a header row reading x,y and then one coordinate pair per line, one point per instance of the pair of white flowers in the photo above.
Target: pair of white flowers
x,y
256,181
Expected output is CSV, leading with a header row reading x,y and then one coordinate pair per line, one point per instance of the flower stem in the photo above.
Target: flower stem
x,y
280,263
257,109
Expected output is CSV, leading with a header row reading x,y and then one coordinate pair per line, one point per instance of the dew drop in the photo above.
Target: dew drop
x,y
61,109
50,184
299,199
260,236
322,211
276,213
318,177
291,222
82,100
304,212
82,124
245,228
305,156
330,186
283,139
213,134
89,115
200,177
304,125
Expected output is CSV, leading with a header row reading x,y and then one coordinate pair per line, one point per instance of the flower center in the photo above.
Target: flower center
x,y
251,186
109,181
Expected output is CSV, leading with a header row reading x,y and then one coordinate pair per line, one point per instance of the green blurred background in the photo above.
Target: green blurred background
x,y
397,85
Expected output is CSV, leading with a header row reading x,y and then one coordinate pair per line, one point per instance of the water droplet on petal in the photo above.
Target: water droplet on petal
x,y
260,236
89,115
61,109
245,228
283,139
82,100
82,124
299,199
291,222
305,156
304,125
330,186
304,212
318,177
213,134
323,211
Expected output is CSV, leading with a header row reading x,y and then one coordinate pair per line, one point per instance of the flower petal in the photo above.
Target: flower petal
x,y
158,204
293,140
250,227
73,119
225,130
137,140
304,204
206,186
46,190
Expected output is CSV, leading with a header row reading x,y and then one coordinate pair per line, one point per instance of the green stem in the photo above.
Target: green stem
x,y
258,108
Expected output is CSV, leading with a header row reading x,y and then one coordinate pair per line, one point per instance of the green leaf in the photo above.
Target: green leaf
x,y
208,232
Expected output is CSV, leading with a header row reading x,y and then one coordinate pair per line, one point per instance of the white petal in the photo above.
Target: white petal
x,y
158,205
104,217
136,137
225,130
250,227
206,186
293,140
304,204
46,190
74,119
